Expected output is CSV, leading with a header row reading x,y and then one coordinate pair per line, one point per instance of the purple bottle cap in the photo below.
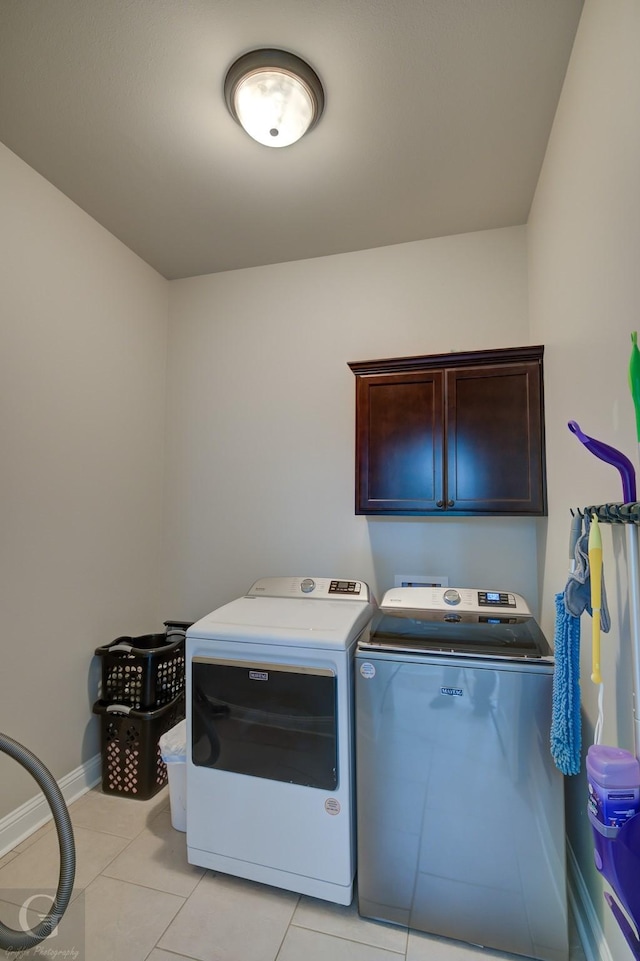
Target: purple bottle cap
x,y
613,766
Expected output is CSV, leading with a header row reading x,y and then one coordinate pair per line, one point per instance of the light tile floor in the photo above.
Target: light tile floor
x,y
139,900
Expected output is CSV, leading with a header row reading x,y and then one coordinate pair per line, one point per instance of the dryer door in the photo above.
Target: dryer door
x,y
276,721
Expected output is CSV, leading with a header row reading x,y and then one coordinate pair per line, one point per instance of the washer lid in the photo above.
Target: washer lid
x,y
286,622
474,634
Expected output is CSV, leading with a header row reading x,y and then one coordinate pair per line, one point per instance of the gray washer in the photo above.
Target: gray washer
x,y
460,807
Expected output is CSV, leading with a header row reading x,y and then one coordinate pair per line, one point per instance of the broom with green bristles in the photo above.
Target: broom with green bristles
x,y
634,379
632,549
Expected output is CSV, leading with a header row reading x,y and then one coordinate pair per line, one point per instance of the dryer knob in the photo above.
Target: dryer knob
x,y
307,585
451,597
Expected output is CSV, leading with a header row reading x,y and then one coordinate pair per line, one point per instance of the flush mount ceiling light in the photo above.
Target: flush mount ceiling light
x,y
274,95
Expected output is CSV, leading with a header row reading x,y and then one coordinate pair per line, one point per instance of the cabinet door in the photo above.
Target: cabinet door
x,y
399,442
495,460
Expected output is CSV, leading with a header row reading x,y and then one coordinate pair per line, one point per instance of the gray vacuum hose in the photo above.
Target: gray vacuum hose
x,y
21,940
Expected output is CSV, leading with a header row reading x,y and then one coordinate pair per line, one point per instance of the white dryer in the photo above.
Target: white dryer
x,y
270,734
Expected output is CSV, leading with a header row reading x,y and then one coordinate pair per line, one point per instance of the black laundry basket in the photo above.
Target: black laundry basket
x,y
131,762
144,672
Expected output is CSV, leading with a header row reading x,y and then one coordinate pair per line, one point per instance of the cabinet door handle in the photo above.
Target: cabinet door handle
x,y
450,503
439,503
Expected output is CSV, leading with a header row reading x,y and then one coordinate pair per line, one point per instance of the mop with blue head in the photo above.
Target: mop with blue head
x,y
566,730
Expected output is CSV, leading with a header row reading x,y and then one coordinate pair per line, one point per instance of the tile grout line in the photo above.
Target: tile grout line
x,y
288,928
175,918
351,940
347,940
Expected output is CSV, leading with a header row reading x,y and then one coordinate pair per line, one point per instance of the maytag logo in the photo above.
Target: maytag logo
x,y
451,691
259,675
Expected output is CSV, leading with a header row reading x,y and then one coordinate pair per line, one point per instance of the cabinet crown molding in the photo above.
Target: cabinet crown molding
x,y
469,358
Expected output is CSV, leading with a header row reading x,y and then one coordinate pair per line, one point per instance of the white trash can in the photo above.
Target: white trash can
x,y
173,749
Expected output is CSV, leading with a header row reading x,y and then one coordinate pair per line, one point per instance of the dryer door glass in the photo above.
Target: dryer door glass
x,y
276,721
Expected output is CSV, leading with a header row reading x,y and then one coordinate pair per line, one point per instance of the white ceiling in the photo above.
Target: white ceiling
x,y
437,117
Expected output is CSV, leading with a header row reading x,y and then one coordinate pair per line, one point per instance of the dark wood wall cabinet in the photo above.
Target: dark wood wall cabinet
x,y
456,434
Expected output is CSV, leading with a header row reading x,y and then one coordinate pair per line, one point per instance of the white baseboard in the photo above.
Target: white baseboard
x,y
31,815
588,924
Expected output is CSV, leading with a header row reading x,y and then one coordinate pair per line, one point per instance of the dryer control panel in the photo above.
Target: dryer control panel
x,y
320,588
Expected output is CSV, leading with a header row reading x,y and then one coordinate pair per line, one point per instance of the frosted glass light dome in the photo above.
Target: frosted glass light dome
x,y
274,95
275,109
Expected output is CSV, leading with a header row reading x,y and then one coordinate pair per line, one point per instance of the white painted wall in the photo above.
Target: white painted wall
x,y
82,380
584,279
260,416
260,411
260,442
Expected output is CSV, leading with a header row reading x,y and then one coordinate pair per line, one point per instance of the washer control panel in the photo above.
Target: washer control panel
x,y
460,598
